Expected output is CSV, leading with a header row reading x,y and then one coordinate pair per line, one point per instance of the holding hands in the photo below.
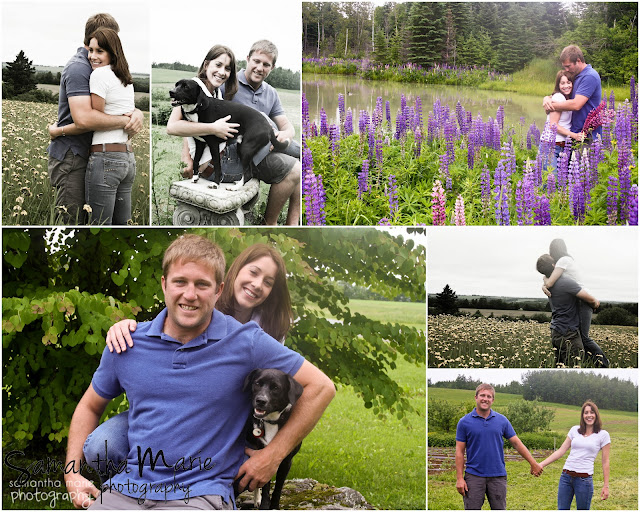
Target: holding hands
x,y
536,469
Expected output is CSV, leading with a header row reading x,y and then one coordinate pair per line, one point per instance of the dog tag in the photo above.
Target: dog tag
x,y
257,432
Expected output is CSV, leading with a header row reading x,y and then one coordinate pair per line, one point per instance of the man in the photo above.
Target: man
x,y
587,90
281,170
480,434
565,318
68,154
184,381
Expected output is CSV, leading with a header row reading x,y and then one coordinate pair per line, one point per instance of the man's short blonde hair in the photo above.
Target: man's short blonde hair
x,y
572,53
197,249
265,46
97,21
489,387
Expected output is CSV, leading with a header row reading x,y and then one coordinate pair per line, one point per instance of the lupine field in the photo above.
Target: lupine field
x,y
471,342
447,166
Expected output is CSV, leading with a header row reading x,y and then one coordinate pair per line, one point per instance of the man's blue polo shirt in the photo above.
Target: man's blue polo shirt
x,y
187,401
265,99
74,81
485,450
586,83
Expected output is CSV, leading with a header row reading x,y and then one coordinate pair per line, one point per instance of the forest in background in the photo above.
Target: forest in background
x,y
502,36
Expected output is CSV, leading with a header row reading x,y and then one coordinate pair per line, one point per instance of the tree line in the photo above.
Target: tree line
x,y
562,387
447,302
280,78
502,36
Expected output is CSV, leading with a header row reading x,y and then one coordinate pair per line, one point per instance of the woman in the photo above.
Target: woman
x,y
111,169
217,68
585,440
255,289
562,120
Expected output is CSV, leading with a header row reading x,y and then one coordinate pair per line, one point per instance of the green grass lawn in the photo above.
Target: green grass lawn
x,y
527,492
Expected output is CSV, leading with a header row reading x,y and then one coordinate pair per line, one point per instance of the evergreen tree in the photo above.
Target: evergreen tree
x,y
18,76
446,302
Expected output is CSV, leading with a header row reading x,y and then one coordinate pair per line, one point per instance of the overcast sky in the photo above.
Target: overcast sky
x,y
236,24
160,31
506,376
50,32
500,261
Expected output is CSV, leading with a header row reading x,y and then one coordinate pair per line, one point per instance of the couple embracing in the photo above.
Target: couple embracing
x,y
91,162
480,434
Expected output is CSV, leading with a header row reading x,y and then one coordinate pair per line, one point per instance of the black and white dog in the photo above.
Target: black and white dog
x,y
255,129
273,394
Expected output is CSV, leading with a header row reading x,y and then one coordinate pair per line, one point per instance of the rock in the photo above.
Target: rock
x,y
307,494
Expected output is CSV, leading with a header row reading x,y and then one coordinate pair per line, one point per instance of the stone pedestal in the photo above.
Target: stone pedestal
x,y
199,204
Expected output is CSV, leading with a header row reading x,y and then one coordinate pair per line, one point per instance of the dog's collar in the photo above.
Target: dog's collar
x,y
203,87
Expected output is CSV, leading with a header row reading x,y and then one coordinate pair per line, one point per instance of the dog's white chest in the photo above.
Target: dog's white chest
x,y
270,431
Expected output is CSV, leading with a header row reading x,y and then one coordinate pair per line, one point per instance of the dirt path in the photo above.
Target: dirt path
x,y
443,459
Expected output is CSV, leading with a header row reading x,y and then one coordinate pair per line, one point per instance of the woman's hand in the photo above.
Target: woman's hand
x,y
604,494
53,128
223,129
577,136
119,335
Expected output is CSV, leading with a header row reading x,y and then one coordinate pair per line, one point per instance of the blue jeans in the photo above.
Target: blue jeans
x,y
593,351
552,162
108,185
113,432
569,486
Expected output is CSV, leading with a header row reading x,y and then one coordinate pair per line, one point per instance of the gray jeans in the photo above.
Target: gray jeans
x,y
494,487
108,185
113,500
67,176
568,348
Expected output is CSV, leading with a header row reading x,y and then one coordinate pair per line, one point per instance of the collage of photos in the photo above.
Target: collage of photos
x,y
414,224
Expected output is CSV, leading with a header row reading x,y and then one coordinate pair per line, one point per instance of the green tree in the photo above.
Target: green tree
x,y
529,416
446,302
18,77
444,416
62,290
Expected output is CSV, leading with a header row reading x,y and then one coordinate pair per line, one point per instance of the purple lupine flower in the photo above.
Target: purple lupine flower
x,y
392,195
501,191
348,123
563,165
612,101
305,114
334,141
500,117
462,118
418,142
444,170
485,187
596,154
418,112
458,214
634,105
551,184
633,206
314,198
606,137
388,112
378,114
450,133
432,128
624,181
324,129
379,146
384,222
576,190
438,199
533,135
372,142
525,200
341,109
542,211
401,125
363,179
612,201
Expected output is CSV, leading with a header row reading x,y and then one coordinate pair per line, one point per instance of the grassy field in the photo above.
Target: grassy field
x,y
27,196
538,78
166,149
470,342
412,314
527,492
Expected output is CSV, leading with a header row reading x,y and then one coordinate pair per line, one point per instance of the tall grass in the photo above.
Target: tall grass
x,y
27,196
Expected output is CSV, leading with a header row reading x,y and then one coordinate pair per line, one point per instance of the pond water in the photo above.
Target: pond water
x,y
322,92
